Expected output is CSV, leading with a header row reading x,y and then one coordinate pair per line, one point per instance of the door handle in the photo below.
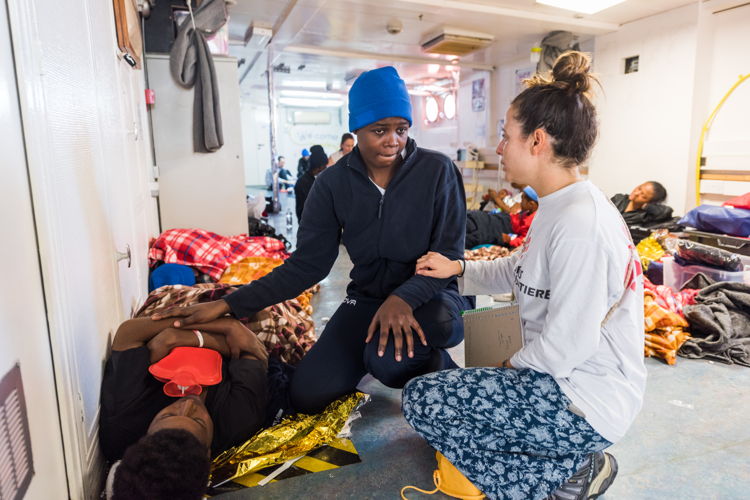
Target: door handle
x,y
126,255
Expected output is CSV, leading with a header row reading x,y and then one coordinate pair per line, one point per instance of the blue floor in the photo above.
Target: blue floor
x,y
690,441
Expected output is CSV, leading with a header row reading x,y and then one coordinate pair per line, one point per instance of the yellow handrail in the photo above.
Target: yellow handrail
x,y
704,131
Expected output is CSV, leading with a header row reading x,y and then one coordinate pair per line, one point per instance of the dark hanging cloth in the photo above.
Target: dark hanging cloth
x,y
192,64
720,324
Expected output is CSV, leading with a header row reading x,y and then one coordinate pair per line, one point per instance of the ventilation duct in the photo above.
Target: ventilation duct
x,y
455,42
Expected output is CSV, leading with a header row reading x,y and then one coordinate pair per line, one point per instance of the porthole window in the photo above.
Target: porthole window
x,y
449,106
431,109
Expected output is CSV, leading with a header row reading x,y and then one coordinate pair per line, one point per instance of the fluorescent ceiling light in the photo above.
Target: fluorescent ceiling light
x,y
309,103
582,6
309,93
304,84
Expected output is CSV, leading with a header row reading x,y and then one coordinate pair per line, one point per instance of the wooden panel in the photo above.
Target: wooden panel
x,y
470,164
127,24
725,176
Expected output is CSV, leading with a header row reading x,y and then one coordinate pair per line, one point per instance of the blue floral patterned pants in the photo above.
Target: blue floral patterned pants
x,y
510,432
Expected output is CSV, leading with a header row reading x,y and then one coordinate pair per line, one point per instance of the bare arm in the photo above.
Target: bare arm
x,y
497,199
226,335
166,340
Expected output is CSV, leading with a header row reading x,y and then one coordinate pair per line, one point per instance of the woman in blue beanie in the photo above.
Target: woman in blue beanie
x,y
389,202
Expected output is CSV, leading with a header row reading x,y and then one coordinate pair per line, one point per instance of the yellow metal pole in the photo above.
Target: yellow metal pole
x,y
704,131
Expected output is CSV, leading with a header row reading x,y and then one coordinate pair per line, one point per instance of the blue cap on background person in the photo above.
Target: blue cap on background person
x,y
305,152
377,94
529,191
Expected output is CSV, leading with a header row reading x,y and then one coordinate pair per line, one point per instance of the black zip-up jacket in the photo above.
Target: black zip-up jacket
x,y
423,209
650,214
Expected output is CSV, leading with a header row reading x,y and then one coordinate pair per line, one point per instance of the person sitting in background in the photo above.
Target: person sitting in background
x,y
501,228
346,146
503,199
286,179
162,445
644,205
318,162
303,164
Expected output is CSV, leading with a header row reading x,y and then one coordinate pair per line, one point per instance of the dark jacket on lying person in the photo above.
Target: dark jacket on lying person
x,y
650,214
383,234
131,397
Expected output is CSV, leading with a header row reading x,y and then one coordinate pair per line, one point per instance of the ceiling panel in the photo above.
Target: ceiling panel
x,y
360,25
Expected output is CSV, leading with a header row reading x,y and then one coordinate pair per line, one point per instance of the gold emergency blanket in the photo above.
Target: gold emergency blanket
x,y
293,437
249,269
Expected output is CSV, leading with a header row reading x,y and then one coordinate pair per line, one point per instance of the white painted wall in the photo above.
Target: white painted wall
x,y
292,138
84,125
442,136
646,117
23,323
255,137
474,126
721,58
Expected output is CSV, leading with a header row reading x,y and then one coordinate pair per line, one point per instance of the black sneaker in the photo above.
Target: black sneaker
x,y
590,481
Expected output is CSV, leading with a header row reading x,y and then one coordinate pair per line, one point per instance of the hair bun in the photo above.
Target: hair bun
x,y
572,72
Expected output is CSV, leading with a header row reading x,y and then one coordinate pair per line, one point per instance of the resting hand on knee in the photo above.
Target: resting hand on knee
x,y
396,316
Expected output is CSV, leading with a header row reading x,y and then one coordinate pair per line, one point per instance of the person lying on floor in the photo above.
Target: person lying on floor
x,y
644,205
164,444
501,228
536,425
389,202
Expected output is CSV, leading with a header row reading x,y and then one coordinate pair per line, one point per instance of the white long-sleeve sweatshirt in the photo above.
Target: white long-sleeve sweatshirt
x,y
576,264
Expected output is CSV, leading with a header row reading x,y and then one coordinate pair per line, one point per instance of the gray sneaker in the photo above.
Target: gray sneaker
x,y
590,481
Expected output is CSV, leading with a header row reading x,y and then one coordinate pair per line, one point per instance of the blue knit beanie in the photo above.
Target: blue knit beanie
x,y
305,152
377,94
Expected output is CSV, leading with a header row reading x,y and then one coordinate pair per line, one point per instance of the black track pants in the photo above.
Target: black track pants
x,y
338,361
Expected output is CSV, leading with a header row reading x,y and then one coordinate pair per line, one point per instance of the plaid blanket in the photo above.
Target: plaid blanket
x,y
286,329
209,252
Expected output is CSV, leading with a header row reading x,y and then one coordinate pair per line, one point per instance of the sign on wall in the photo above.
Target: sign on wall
x,y
16,464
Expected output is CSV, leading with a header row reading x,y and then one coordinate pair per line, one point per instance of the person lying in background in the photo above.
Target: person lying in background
x,y
504,200
644,205
161,446
501,228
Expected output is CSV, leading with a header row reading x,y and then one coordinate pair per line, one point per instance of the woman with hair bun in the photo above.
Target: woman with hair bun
x,y
536,425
